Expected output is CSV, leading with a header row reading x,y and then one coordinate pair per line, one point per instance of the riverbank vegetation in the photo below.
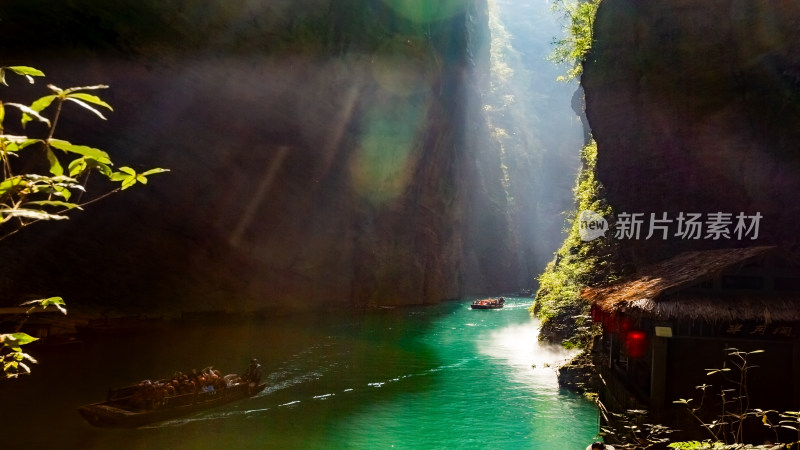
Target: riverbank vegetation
x,y
723,412
578,263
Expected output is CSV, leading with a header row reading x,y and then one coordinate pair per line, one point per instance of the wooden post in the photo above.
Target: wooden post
x,y
658,373
796,374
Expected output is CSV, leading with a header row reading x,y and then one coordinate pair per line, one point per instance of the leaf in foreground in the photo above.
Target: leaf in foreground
x,y
15,340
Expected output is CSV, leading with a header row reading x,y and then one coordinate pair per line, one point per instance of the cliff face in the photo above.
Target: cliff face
x,y
695,107
320,152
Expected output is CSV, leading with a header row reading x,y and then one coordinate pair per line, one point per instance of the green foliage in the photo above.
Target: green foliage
x,y
48,194
26,198
697,445
45,303
577,263
27,72
571,50
726,425
12,358
631,430
710,445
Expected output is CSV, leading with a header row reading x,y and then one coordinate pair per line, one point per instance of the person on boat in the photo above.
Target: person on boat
x,y
160,394
206,383
213,377
190,387
253,372
141,396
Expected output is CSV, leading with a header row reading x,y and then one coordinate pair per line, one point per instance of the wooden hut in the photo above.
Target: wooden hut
x,y
667,324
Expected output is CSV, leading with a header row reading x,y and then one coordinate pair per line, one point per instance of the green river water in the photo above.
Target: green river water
x,y
416,378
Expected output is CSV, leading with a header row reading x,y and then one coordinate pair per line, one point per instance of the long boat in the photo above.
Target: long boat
x,y
119,410
488,303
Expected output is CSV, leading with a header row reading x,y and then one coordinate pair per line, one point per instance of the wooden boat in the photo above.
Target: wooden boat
x,y
120,410
488,303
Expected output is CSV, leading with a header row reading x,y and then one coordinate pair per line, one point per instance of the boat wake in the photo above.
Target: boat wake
x,y
207,417
284,383
299,380
518,304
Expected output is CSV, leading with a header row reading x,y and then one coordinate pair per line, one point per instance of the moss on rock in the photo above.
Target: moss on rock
x,y
564,317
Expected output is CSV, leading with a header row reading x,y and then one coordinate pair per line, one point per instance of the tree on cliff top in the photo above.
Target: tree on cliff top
x,y
43,178
572,49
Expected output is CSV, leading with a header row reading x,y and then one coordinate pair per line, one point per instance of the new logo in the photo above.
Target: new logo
x,y
591,225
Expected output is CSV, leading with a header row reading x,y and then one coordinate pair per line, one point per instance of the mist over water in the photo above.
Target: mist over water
x,y
518,346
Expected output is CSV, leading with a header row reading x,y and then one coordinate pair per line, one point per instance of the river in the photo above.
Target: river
x,y
439,376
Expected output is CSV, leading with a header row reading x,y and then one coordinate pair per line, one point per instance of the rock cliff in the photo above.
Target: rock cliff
x,y
695,107
321,152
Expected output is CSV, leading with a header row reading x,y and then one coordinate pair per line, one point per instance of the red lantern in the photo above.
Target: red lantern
x,y
635,342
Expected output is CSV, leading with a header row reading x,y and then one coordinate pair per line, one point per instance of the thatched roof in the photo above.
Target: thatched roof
x,y
659,290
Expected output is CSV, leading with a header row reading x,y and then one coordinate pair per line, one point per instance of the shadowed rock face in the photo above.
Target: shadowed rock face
x,y
695,106
323,151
